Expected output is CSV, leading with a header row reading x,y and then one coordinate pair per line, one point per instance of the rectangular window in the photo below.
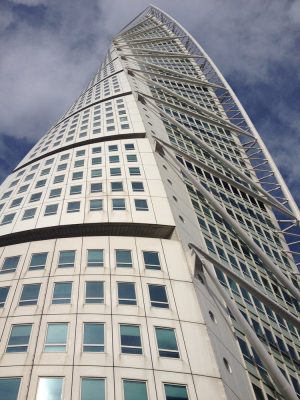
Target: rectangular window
x,y
130,339
58,179
51,209
123,259
19,338
96,187
137,186
134,171
10,264
126,293
55,193
3,295
92,389
135,390
30,294
9,388
75,189
38,261
94,292
158,296
56,338
50,388
177,392
113,147
151,260
96,160
80,153
35,197
116,186
115,171
95,258
129,146
28,214
96,150
166,342
118,204
16,202
62,293
96,173
78,163
40,183
77,175
8,219
141,205
66,259
23,188
96,205
93,337
73,206
131,158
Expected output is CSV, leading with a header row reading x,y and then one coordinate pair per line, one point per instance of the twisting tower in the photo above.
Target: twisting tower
x,y
149,244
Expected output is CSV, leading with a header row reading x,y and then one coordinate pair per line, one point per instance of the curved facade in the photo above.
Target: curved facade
x,y
108,235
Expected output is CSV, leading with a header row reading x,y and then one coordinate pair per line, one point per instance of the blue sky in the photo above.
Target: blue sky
x,y
51,48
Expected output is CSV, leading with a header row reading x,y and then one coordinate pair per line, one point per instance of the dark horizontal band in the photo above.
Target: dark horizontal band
x,y
96,229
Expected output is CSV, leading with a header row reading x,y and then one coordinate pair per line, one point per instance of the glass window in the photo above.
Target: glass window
x,y
95,258
134,171
96,160
126,293
94,292
129,146
38,261
58,178
8,219
113,147
92,389
96,173
135,390
77,175
19,338
35,197
30,294
158,296
166,342
73,206
9,388
118,204
130,339
78,163
66,259
96,205
151,260
131,157
80,153
23,188
62,293
116,186
28,214
176,392
115,171
50,389
93,337
123,259
51,209
16,202
96,150
141,205
55,193
137,186
10,264
75,189
3,295
56,338
96,187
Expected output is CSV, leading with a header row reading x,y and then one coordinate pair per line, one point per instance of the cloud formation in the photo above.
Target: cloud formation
x,y
51,48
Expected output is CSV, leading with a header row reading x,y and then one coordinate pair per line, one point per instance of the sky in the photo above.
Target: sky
x,y
50,49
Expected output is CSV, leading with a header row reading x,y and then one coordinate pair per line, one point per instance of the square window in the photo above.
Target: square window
x,y
49,388
92,389
30,294
38,261
75,189
30,213
116,186
151,260
130,339
10,264
166,342
3,296
137,186
96,187
177,392
115,171
93,337
126,293
66,259
95,258
141,205
19,338
55,193
73,206
94,292
158,296
96,173
51,209
118,204
56,338
62,293
134,171
9,387
135,390
123,259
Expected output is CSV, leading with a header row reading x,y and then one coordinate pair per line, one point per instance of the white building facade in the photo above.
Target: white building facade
x,y
141,240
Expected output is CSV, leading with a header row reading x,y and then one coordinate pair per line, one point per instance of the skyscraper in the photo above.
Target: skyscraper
x,y
148,240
